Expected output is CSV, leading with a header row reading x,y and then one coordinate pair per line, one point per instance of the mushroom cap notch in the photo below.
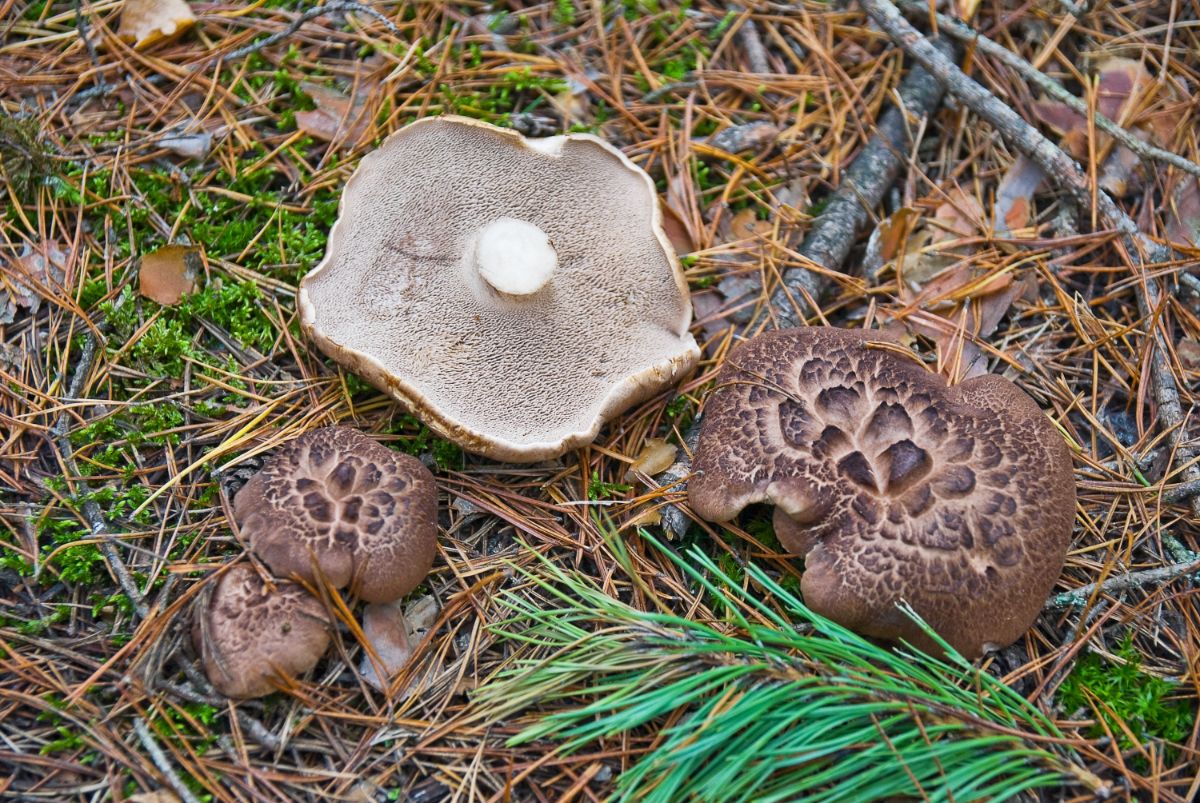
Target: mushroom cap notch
x,y
252,638
336,500
513,293
893,486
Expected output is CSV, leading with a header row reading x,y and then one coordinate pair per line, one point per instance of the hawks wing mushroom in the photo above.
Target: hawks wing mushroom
x,y
514,293
892,485
252,638
336,505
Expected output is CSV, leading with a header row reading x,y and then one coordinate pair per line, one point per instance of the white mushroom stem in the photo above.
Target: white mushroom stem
x,y
387,645
514,257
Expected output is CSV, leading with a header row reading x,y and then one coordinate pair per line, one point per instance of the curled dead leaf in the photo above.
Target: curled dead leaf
x,y
656,457
194,145
27,279
1189,354
1183,214
169,273
145,23
1014,196
958,217
677,231
337,116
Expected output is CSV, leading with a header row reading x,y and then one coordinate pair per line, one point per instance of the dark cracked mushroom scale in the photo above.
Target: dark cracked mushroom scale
x,y
514,293
335,505
892,485
254,638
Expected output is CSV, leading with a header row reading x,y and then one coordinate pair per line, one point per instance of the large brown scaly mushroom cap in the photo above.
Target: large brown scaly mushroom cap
x,y
893,486
251,638
334,498
514,293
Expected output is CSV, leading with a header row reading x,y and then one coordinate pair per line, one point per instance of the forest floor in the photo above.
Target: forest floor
x,y
126,424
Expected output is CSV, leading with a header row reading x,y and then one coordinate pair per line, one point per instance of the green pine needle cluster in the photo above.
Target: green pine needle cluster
x,y
768,704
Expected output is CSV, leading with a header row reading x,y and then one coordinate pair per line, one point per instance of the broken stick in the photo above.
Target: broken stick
x,y
1140,253
833,234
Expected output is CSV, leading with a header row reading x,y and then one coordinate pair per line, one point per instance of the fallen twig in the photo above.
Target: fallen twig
x,y
832,235
874,169
1122,582
1051,87
333,7
1139,251
1182,493
91,511
162,762
108,544
752,45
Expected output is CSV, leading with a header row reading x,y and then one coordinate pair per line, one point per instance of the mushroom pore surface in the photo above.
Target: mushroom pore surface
x,y
514,294
958,500
334,498
251,637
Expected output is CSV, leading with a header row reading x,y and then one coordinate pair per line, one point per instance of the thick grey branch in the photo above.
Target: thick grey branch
x,y
1141,251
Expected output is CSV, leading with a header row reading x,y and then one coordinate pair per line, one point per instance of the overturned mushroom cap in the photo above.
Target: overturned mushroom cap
x,y
514,293
251,639
958,500
334,498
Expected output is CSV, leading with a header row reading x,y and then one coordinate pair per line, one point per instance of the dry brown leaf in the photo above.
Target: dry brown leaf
x,y
745,225
977,315
145,23
1189,354
958,217
169,273
26,278
677,231
337,116
1120,83
883,245
921,263
1183,214
649,518
656,457
1014,196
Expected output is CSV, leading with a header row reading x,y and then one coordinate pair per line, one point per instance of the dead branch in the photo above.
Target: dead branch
x,y
162,762
1122,582
874,169
333,7
1051,87
1139,251
833,233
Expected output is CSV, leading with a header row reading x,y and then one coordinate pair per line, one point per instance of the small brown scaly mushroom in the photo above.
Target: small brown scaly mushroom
x,y
252,638
893,486
336,505
514,293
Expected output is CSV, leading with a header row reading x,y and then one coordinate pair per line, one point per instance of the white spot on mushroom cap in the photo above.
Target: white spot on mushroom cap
x,y
398,300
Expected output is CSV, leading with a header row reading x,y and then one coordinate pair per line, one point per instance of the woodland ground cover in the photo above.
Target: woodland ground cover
x,y
579,651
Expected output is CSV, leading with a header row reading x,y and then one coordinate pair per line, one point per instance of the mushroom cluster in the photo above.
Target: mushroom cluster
x,y
331,508
514,293
892,485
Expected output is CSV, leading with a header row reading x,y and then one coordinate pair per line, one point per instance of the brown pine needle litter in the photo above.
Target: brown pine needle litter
x,y
579,653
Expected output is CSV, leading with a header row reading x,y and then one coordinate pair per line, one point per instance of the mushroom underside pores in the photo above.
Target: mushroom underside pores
x,y
466,278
